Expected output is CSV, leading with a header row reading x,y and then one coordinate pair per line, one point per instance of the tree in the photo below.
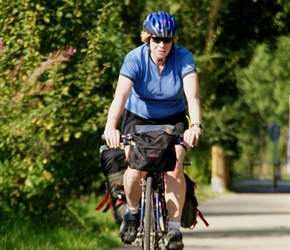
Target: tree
x,y
264,86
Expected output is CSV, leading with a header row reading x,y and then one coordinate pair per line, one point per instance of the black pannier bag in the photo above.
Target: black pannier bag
x,y
190,208
112,160
153,148
113,165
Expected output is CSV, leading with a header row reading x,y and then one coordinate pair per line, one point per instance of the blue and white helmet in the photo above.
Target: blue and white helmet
x,y
160,24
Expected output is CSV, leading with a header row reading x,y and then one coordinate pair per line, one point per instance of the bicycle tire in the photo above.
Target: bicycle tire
x,y
149,221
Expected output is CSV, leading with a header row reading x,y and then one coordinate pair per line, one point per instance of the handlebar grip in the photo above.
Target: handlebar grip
x,y
104,137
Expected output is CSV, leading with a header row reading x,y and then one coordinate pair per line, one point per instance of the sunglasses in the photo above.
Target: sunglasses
x,y
165,40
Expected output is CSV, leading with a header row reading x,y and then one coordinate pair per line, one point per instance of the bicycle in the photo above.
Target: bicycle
x,y
153,216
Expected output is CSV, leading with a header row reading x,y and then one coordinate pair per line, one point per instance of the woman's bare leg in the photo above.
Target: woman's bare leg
x,y
132,185
176,187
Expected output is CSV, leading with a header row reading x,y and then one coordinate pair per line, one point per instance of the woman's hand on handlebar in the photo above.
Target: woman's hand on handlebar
x,y
191,136
112,137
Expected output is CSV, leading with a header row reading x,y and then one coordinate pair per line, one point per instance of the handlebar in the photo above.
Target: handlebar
x,y
126,139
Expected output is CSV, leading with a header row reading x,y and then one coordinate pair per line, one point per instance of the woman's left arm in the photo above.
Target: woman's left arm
x,y
191,90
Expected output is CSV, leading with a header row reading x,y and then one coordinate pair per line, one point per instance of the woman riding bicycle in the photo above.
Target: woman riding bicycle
x,y
152,83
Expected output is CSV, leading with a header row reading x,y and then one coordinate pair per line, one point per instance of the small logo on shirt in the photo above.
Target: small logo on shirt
x,y
190,66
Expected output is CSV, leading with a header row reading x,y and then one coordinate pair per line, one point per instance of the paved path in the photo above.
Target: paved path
x,y
241,221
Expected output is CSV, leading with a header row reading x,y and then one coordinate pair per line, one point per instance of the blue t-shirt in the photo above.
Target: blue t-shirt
x,y
154,95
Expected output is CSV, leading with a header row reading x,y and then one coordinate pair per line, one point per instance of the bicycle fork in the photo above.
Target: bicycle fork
x,y
142,206
142,214
160,217
158,211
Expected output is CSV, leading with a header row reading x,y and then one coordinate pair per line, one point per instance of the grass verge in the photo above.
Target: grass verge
x,y
85,229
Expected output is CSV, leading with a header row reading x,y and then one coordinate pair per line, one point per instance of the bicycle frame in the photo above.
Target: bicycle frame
x,y
153,211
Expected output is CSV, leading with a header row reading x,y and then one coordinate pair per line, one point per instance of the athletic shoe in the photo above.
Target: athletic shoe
x,y
129,227
175,241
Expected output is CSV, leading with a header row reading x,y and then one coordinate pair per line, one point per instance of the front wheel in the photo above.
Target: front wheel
x,y
149,217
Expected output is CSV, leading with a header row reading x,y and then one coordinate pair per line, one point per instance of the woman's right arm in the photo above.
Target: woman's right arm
x,y
122,92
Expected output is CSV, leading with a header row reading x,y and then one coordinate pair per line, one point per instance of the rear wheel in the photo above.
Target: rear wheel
x,y
149,217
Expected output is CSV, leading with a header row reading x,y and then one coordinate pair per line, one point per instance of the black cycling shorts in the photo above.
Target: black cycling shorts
x,y
130,119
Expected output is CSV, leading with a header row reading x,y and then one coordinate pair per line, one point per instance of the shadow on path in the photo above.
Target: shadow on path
x,y
261,186
239,233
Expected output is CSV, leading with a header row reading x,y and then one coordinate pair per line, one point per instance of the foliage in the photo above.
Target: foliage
x,y
264,85
51,114
239,27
